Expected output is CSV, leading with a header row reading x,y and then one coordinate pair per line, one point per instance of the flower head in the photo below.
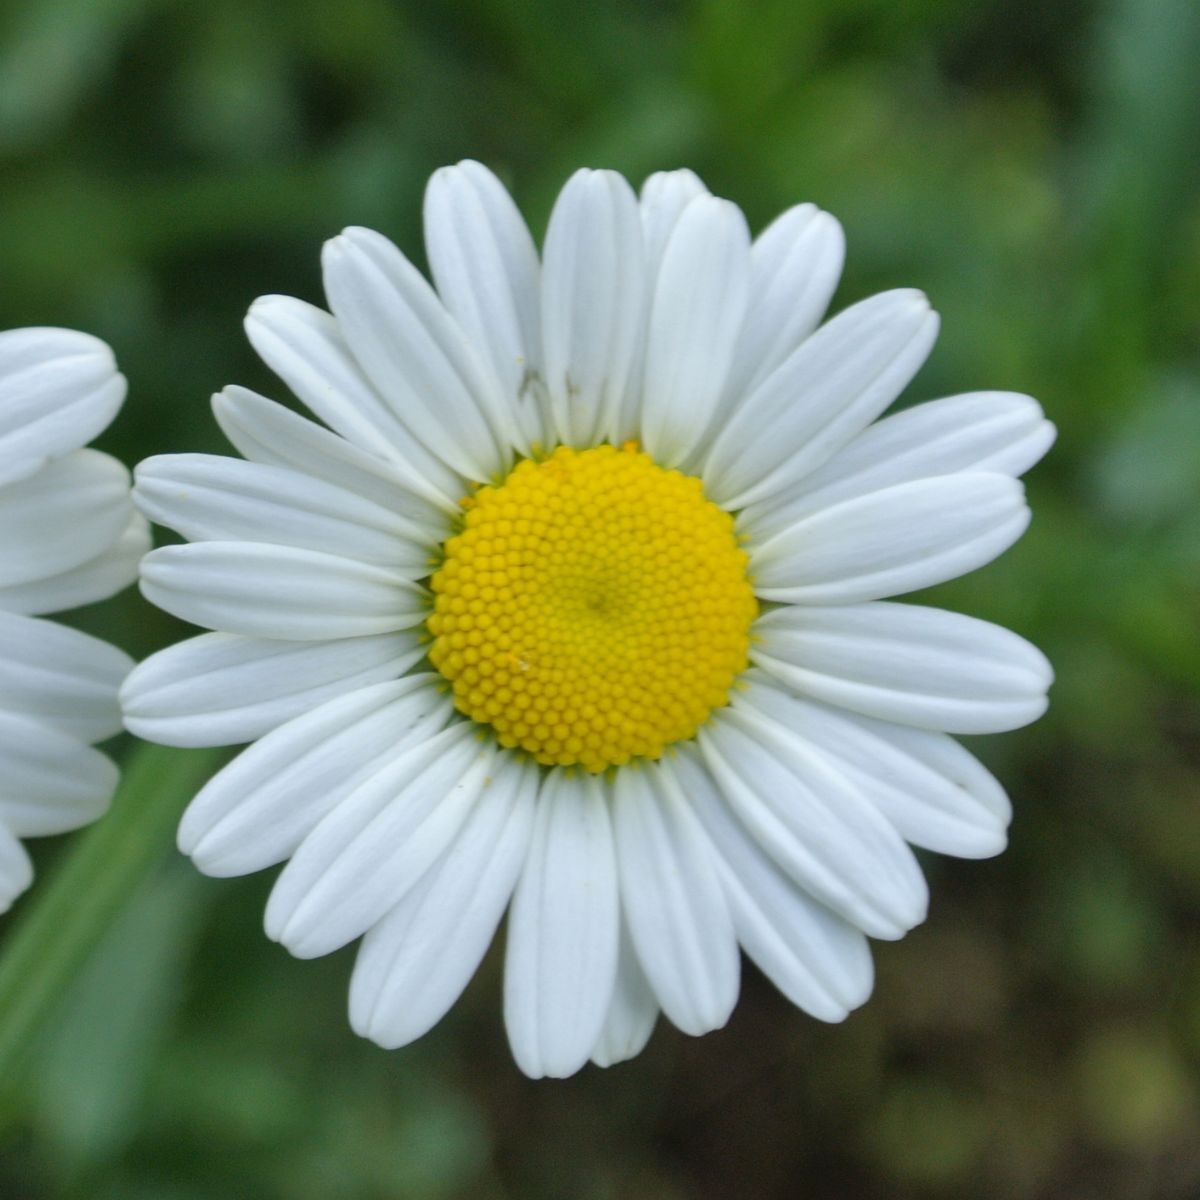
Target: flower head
x,y
69,535
576,609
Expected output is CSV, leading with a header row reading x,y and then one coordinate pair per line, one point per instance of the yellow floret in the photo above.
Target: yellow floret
x,y
595,607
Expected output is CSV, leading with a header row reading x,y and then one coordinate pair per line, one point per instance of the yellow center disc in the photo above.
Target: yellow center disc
x,y
594,609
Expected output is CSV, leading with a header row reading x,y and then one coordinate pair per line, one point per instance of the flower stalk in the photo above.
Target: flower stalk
x,y
57,927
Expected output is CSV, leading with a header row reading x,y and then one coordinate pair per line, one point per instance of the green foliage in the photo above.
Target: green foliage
x,y
1033,167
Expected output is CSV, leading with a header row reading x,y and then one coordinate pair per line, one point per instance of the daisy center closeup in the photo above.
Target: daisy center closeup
x,y
595,608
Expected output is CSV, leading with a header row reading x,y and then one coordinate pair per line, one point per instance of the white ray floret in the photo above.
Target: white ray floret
x,y
69,535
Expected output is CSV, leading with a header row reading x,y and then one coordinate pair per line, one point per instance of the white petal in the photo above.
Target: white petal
x,y
561,961
593,297
416,356
814,823
114,568
664,196
632,1012
60,677
366,853
257,810
49,781
60,389
997,432
673,902
63,515
417,960
306,348
818,960
898,540
16,871
933,791
220,689
265,432
487,273
906,663
279,591
813,403
206,497
795,265
699,301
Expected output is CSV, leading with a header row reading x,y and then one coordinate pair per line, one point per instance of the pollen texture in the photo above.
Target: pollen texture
x,y
594,608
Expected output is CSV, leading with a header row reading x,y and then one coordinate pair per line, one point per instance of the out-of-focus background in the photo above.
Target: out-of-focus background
x,y
1034,167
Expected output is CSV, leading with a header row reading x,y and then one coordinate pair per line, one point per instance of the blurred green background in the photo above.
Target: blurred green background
x,y
1035,168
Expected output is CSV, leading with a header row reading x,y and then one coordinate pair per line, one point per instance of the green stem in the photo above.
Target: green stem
x,y
66,914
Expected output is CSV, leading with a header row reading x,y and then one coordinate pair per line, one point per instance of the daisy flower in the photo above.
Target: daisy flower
x,y
69,535
574,607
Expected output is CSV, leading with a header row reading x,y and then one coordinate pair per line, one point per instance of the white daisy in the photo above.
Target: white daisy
x,y
578,604
69,535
